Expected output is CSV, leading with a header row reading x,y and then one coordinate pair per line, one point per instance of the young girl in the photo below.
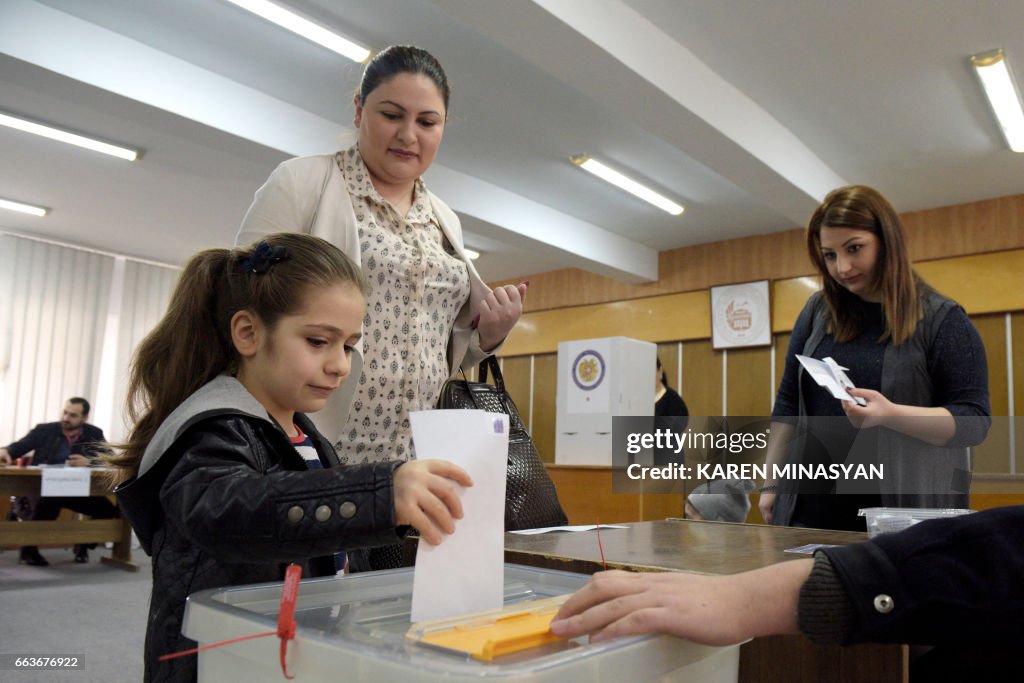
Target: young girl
x,y
224,478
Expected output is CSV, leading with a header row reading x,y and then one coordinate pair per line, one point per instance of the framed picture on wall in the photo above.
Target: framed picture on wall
x,y
741,315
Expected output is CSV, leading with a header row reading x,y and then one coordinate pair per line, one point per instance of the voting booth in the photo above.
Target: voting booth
x,y
599,379
357,628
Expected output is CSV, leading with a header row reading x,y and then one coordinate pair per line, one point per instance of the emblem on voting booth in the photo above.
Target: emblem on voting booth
x,y
588,370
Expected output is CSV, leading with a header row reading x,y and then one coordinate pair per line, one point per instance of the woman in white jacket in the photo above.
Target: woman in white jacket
x,y
429,312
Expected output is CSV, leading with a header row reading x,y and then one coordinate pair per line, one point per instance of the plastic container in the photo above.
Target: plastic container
x,y
354,628
887,520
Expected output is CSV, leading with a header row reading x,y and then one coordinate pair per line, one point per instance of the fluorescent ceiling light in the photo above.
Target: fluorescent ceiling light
x,y
471,254
23,208
304,27
64,136
994,73
627,184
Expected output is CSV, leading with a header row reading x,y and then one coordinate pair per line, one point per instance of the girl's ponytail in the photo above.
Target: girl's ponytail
x,y
186,349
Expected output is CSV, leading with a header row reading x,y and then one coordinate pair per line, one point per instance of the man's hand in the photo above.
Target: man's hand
x,y
76,460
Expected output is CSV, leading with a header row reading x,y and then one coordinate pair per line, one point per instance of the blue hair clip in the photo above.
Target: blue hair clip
x,y
262,258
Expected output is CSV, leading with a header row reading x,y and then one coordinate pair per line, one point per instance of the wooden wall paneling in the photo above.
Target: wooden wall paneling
x,y
516,372
781,347
586,496
988,225
702,378
979,283
994,454
788,299
655,319
656,506
996,490
757,257
545,389
748,380
779,254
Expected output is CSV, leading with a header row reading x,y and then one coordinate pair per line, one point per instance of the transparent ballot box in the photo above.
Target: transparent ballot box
x,y
357,628
886,520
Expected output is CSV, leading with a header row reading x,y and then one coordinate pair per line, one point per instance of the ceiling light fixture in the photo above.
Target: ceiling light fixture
x,y
23,208
471,254
64,136
304,27
627,184
994,73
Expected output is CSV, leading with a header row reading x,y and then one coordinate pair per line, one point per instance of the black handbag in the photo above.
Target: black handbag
x,y
530,497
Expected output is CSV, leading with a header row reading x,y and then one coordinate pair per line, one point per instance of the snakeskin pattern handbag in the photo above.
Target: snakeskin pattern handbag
x,y
530,497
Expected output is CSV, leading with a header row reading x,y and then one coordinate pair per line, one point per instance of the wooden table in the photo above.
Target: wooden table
x,y
720,548
26,481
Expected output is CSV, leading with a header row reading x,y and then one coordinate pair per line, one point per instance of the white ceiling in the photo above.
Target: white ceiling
x,y
745,111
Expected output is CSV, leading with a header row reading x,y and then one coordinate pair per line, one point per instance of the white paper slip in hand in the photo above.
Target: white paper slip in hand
x,y
466,573
578,527
830,375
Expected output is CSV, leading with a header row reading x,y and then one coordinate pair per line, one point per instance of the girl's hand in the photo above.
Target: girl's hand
x,y
871,415
499,312
427,497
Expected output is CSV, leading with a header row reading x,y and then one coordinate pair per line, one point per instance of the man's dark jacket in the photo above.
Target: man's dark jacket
x,y
46,440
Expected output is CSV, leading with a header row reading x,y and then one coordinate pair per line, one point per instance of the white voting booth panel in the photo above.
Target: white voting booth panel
x,y
353,628
598,379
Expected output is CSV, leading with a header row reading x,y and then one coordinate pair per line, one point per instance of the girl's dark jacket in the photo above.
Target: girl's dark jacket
x,y
222,498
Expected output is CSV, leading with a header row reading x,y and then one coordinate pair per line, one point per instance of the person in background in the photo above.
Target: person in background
x,y
72,442
917,362
668,404
667,401
722,500
224,478
951,583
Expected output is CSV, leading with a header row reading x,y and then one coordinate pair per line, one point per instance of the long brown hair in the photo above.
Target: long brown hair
x,y
192,343
864,208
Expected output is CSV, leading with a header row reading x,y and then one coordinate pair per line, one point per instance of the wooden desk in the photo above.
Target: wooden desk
x,y
18,481
720,548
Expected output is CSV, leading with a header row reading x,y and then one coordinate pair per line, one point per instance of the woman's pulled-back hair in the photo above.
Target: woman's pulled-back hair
x,y
402,59
192,342
864,208
663,375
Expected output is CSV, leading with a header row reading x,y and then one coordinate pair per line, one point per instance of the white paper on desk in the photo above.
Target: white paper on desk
x,y
578,527
466,573
65,481
809,548
830,375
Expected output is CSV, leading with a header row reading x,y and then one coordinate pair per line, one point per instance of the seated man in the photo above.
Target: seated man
x,y
71,442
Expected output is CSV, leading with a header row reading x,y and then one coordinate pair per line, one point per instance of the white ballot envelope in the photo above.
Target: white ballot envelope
x,y
830,375
466,573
